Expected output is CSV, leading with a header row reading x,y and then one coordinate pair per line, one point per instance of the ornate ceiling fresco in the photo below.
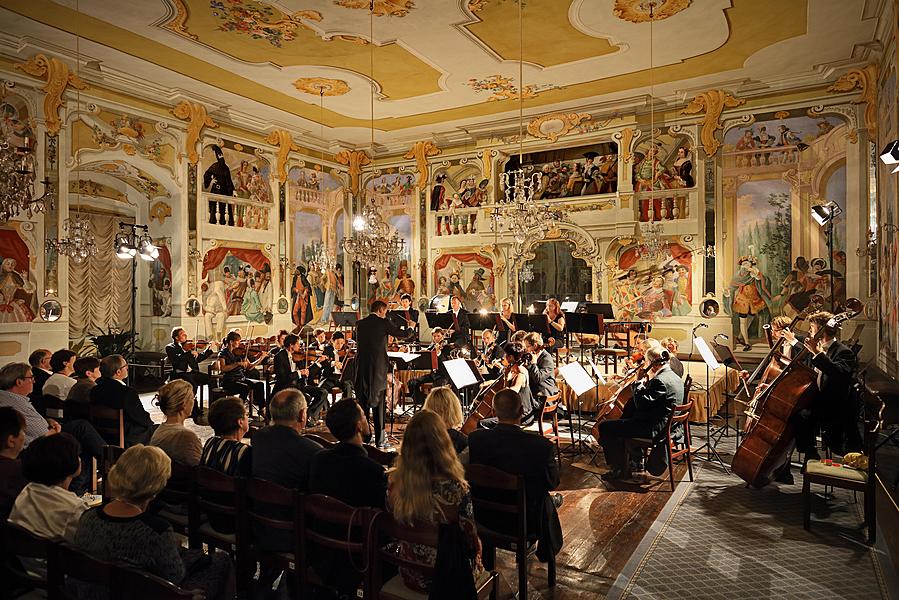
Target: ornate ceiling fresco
x,y
443,64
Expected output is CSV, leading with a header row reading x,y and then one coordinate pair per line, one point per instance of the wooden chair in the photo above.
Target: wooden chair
x,y
385,459
141,585
848,478
178,491
550,410
109,423
386,529
110,456
328,525
18,541
219,496
674,449
263,499
322,441
53,407
495,492
69,561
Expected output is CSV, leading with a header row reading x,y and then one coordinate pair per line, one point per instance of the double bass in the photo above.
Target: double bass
x,y
769,439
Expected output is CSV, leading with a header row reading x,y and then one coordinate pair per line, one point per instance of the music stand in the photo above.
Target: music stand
x,y
435,319
600,308
580,382
584,324
726,357
711,364
463,373
569,306
345,320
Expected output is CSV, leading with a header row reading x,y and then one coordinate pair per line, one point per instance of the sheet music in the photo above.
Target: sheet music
x,y
460,373
569,306
707,355
577,378
599,374
404,356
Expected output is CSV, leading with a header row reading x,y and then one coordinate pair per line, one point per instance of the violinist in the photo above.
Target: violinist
x,y
508,327
288,374
184,362
654,396
234,371
491,356
330,370
437,378
460,327
516,377
541,369
409,314
556,321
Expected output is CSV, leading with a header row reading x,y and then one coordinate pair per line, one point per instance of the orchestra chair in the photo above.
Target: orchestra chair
x,y
110,456
69,561
550,410
848,478
387,529
210,485
320,440
329,526
109,423
261,493
675,447
18,541
177,493
502,494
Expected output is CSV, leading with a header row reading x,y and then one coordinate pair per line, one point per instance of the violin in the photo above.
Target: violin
x,y
198,345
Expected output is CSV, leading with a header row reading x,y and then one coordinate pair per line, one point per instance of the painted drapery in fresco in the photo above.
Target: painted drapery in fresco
x,y
469,276
246,277
644,289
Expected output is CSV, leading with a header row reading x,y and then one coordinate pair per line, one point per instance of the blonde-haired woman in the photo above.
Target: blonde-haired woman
x,y
176,400
428,486
122,530
443,401
505,313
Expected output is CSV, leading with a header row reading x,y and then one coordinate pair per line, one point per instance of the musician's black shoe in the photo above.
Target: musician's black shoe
x,y
784,475
616,475
557,499
747,348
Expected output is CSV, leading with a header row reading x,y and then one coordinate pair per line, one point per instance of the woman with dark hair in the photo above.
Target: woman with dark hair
x,y
516,361
58,385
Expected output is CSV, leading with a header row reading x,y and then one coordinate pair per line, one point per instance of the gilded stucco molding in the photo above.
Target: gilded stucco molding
x,y
864,80
556,125
160,211
322,86
195,114
487,157
420,151
626,138
636,11
57,76
284,141
844,111
380,8
713,103
354,161
178,22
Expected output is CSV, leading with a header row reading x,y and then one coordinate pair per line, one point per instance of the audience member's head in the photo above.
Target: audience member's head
x,y
40,358
427,455
17,378
61,360
346,421
139,474
228,417
288,407
176,398
12,432
87,367
52,460
443,401
507,405
114,366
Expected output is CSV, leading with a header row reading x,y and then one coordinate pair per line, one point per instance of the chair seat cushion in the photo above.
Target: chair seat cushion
x,y
816,467
397,589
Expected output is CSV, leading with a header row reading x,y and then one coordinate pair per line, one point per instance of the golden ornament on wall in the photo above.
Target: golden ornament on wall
x,y
420,151
321,86
197,119
56,74
782,114
637,11
354,160
160,211
624,148
285,144
553,126
865,80
713,103
382,8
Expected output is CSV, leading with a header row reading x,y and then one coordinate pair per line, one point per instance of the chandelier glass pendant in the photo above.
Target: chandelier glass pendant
x,y
373,243
651,246
17,182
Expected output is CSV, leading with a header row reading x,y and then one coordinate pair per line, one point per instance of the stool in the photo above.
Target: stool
x,y
610,353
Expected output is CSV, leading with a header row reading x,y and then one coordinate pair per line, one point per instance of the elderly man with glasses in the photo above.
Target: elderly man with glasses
x,y
112,391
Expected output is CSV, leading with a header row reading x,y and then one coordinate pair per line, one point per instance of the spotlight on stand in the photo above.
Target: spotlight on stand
x,y
124,249
890,154
825,213
146,249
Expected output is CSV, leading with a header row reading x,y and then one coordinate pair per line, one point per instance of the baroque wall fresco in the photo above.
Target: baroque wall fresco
x,y
16,123
238,282
18,297
887,238
571,172
774,170
643,288
664,162
251,175
105,129
468,275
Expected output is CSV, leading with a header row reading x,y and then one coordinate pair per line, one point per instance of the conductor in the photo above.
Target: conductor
x,y
371,365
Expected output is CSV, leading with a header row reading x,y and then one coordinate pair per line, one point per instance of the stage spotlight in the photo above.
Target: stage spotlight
x,y
124,249
825,213
147,250
890,154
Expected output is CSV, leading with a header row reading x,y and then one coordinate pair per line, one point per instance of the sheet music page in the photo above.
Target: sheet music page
x,y
577,378
460,373
404,356
569,306
707,355
599,374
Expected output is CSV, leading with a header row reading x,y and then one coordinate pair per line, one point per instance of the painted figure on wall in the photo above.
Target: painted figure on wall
x,y
16,293
404,283
215,309
241,271
748,297
217,178
468,276
682,168
649,172
301,293
645,289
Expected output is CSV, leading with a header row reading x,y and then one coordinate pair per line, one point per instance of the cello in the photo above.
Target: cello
x,y
483,403
613,409
769,439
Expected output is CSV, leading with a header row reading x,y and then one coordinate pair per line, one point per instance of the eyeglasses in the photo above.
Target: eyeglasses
x,y
27,377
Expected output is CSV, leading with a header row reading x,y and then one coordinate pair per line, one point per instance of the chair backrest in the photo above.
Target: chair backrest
x,y
320,514
688,385
73,562
322,441
110,456
109,423
495,491
385,459
53,407
26,544
180,485
210,480
262,494
385,528
136,584
552,402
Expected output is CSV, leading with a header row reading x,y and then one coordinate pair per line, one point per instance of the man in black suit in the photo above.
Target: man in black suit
x,y
834,409
371,364
111,391
654,398
40,369
509,448
288,375
460,326
436,377
541,370
185,363
405,317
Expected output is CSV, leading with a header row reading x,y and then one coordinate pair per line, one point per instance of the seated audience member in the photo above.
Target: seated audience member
x,y
45,506
15,385
40,366
443,401
122,530
670,344
112,391
61,382
428,486
225,452
509,448
176,401
87,372
12,440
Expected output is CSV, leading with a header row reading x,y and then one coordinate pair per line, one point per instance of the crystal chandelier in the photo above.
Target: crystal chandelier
x,y
17,182
651,246
323,259
79,244
373,244
526,275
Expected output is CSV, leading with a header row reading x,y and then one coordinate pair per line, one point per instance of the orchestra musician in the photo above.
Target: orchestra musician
x,y
288,374
517,378
556,320
442,347
370,381
234,371
491,356
505,315
408,313
654,396
460,326
329,372
185,363
541,370
670,344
